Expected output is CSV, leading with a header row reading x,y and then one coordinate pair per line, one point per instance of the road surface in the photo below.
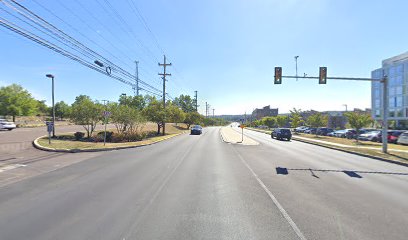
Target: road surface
x,y
198,187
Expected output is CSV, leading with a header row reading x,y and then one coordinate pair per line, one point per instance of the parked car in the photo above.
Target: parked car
x,y
196,130
403,138
389,132
393,137
311,131
332,134
300,129
7,125
370,136
281,133
340,133
324,131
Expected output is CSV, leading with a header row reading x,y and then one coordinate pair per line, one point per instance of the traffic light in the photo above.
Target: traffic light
x,y
322,75
278,75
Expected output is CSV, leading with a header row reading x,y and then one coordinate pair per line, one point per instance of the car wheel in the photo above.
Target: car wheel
x,y
374,139
10,129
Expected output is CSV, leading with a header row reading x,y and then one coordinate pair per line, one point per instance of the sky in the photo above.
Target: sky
x,y
226,50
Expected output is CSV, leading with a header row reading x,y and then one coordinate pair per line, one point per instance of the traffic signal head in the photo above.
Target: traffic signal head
x,y
278,75
322,75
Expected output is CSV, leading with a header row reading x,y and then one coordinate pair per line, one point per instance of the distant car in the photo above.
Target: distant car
x,y
370,136
311,131
393,137
281,133
7,125
403,138
196,130
300,129
324,131
331,134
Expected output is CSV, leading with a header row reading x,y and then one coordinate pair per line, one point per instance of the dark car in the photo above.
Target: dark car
x,y
311,130
394,135
196,130
281,133
324,131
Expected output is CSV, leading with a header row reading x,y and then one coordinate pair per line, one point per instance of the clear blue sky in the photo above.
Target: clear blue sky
x,y
224,49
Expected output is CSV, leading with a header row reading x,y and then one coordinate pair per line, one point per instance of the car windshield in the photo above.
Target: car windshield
x,y
214,119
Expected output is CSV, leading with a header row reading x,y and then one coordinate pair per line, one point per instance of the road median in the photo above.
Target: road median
x,y
229,135
70,146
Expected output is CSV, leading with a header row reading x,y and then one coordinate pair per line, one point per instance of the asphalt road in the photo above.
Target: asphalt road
x,y
197,187
16,145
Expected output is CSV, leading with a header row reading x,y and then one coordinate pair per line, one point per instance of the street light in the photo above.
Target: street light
x,y
53,106
107,69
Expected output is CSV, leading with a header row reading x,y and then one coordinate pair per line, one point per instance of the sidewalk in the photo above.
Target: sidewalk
x,y
229,135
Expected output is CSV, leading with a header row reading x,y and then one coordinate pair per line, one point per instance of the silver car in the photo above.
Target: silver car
x,y
7,125
403,139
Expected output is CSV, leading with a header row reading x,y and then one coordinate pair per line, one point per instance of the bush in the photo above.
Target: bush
x,y
101,135
132,137
79,136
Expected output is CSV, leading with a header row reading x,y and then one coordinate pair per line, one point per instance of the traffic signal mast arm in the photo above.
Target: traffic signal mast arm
x,y
339,78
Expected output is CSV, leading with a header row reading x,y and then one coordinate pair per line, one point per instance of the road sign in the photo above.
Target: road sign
x,y
106,113
50,126
242,126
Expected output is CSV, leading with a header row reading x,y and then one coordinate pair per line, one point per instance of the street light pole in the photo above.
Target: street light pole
x,y
385,115
53,105
296,58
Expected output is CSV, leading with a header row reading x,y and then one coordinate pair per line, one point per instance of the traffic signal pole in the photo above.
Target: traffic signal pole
x,y
384,81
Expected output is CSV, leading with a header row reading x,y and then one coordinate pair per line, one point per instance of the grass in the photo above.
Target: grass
x,y
69,144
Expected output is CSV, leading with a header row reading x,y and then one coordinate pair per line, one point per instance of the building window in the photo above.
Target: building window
x,y
400,112
392,102
398,90
398,101
391,113
377,103
400,69
377,113
376,93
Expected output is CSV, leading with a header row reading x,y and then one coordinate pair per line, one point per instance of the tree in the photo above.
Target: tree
x,y
175,114
126,118
358,120
62,109
137,102
192,118
281,121
154,112
317,120
295,118
42,108
269,121
16,101
185,102
87,113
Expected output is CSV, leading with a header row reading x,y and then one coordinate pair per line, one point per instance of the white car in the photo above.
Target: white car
x,y
7,125
403,139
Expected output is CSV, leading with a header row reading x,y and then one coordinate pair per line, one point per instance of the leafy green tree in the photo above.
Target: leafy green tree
x,y
175,114
192,118
295,118
281,121
269,121
154,112
317,120
185,102
16,101
127,119
358,120
62,109
42,108
87,113
137,102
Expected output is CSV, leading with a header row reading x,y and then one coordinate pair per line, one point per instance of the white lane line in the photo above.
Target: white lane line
x,y
11,167
274,200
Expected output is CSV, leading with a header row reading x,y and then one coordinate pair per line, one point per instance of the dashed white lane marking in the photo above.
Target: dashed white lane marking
x,y
11,167
274,200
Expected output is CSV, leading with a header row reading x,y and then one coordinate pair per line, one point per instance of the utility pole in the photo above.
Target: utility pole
x,y
195,101
164,74
136,91
345,106
296,58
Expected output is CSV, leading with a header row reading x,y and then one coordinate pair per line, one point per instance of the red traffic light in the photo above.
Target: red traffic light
x,y
278,75
322,75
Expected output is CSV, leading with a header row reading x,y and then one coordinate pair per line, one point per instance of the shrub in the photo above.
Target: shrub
x,y
79,136
99,137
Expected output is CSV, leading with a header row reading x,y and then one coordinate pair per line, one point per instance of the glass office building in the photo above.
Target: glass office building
x,y
396,68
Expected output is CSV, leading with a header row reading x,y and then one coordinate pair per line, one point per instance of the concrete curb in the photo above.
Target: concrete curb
x,y
38,146
346,151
